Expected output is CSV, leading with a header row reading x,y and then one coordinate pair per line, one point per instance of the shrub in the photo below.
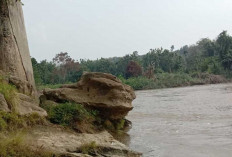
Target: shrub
x,y
115,125
140,83
68,113
120,125
173,80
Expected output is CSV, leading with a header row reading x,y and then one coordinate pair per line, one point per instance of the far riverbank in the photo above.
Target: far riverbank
x,y
171,80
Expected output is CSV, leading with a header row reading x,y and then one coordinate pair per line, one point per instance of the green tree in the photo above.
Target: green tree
x,y
224,49
37,74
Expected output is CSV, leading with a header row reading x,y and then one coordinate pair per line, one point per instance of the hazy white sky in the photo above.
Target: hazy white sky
x,y
105,28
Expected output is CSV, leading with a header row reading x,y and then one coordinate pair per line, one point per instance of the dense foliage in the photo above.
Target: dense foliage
x,y
206,56
67,114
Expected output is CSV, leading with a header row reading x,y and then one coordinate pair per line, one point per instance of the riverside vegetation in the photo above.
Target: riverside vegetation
x,y
26,129
12,141
207,61
14,128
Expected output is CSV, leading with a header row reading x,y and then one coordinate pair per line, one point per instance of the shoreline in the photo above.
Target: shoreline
x,y
172,80
229,81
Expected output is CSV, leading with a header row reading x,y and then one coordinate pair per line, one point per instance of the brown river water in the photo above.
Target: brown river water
x,y
183,122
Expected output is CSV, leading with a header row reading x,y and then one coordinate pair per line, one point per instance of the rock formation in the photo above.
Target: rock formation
x,y
70,144
3,104
15,61
14,52
100,91
27,105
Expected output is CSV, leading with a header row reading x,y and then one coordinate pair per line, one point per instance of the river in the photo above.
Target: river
x,y
183,122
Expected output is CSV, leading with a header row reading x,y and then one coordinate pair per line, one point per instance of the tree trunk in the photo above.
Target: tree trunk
x,y
14,51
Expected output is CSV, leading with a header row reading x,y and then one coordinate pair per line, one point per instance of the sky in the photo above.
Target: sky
x,y
91,29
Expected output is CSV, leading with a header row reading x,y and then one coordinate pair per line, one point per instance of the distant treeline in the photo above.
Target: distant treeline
x,y
206,56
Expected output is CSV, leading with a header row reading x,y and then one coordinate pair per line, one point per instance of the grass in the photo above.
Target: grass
x,y
13,127
51,86
12,121
9,92
13,145
90,148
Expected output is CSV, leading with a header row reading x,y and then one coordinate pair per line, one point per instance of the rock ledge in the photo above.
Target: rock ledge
x,y
100,91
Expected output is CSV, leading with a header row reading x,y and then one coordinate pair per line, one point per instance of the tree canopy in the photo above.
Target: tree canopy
x,y
211,56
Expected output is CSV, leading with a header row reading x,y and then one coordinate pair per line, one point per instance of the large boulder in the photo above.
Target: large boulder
x,y
27,105
23,86
100,91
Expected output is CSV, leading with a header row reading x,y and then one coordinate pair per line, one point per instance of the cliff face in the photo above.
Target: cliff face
x,y
14,51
